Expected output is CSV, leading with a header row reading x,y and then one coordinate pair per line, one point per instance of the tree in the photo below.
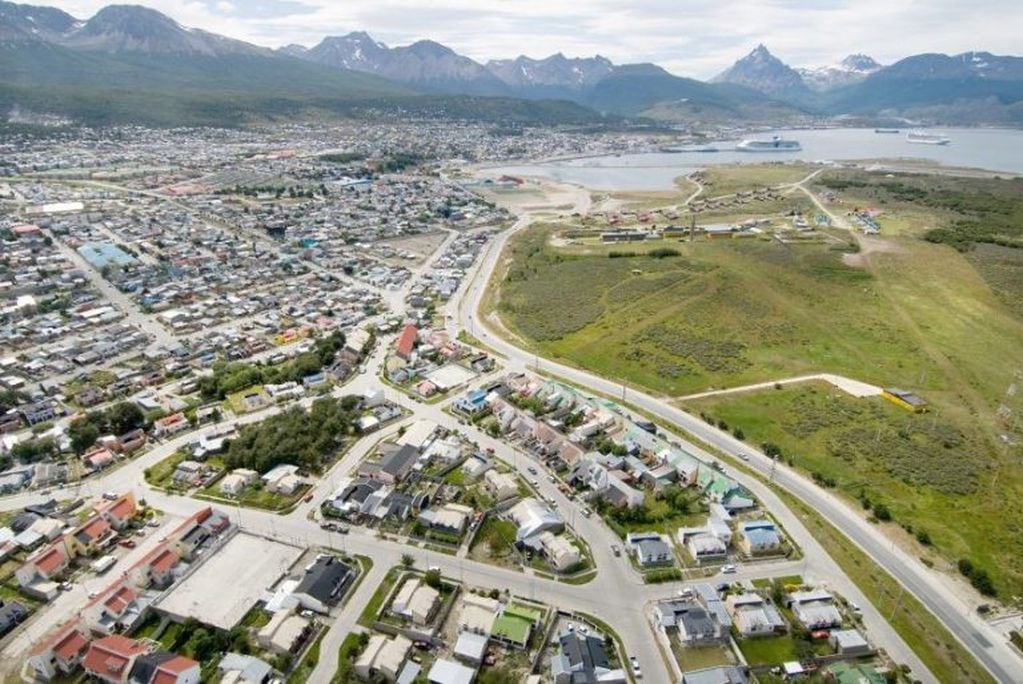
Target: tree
x,y
201,645
83,434
432,578
407,561
125,417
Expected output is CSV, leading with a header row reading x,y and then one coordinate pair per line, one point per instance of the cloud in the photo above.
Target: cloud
x,y
688,37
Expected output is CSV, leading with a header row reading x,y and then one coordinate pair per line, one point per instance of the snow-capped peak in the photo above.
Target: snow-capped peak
x,y
850,70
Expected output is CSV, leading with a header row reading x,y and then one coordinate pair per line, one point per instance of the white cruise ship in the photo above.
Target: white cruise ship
x,y
775,144
921,138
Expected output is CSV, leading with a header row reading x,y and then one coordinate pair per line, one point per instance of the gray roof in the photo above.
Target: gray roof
x,y
326,580
400,462
582,654
252,669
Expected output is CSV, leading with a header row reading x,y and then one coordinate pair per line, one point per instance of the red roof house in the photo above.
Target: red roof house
x,y
407,341
61,651
110,659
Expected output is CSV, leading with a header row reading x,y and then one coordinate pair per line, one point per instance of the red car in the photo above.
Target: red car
x,y
127,543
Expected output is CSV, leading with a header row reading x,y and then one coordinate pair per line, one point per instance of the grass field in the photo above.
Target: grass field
x,y
931,305
724,313
726,180
159,474
926,469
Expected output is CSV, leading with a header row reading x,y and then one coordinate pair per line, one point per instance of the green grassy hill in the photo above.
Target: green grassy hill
x,y
932,305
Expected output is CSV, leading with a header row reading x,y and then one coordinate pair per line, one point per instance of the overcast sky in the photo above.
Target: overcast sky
x,y
695,38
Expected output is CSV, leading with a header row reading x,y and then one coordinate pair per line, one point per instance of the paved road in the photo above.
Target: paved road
x,y
927,586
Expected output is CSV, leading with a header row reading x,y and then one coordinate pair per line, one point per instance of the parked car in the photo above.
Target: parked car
x,y
532,470
636,671
127,543
616,550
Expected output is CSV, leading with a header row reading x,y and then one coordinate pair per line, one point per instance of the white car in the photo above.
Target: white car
x,y
728,569
636,671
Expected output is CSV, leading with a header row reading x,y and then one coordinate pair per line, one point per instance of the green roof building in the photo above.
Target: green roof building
x,y
515,625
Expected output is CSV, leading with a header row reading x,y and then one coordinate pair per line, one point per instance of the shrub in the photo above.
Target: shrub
x,y
882,513
978,577
923,537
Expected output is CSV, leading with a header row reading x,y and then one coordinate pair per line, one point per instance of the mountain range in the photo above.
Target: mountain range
x,y
131,63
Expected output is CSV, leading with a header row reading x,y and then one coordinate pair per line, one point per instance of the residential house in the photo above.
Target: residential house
x,y
650,549
324,583
188,473
382,657
476,466
282,479
472,403
478,614
419,434
582,659
759,537
815,609
170,425
754,615
238,668
696,625
285,632
406,342
415,601
131,441
449,519
119,512
500,485
444,671
394,466
156,569
110,658
237,480
562,554
471,648
38,412
94,534
44,565
515,625
11,614
532,517
162,667
849,643
61,652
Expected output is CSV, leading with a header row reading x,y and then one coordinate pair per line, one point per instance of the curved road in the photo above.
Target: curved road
x,y
989,647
